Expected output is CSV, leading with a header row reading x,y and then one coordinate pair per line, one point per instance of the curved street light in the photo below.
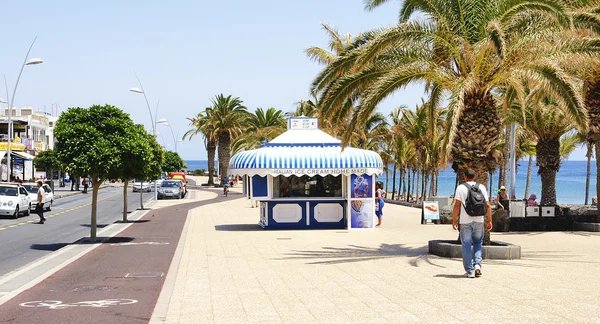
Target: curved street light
x,y
165,122
141,90
11,103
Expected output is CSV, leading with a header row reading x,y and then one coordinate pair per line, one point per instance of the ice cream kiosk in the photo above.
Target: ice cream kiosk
x,y
304,179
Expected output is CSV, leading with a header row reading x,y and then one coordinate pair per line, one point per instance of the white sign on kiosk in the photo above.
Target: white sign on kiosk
x,y
304,123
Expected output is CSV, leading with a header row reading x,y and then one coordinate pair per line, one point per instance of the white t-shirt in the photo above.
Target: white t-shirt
x,y
461,194
41,195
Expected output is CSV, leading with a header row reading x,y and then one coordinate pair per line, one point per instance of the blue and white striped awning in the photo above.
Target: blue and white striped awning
x,y
305,160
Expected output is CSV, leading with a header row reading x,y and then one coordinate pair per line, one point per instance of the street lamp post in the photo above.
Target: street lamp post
x,y
11,102
141,90
164,121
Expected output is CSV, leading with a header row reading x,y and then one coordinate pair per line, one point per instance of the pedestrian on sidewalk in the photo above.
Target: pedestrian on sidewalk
x,y
72,179
41,199
379,194
472,204
85,185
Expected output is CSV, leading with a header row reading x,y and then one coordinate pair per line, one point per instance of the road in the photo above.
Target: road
x,y
22,241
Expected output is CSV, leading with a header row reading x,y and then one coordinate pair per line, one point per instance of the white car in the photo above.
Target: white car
x,y
33,190
14,200
158,184
141,186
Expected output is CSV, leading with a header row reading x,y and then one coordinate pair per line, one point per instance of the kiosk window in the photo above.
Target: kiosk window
x,y
306,186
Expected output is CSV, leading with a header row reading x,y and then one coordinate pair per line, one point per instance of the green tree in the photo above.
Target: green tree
x,y
201,125
48,161
228,120
465,51
139,151
90,142
172,162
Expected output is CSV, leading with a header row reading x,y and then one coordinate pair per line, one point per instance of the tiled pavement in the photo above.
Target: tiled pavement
x,y
231,271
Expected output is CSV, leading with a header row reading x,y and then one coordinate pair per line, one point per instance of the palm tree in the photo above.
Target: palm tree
x,y
465,52
337,45
261,126
548,124
201,125
585,16
228,119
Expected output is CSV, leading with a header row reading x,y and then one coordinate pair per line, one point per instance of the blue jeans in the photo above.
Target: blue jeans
x,y
471,234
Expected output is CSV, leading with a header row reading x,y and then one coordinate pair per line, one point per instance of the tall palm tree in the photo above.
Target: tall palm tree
x,y
466,52
201,125
261,126
228,119
549,124
585,16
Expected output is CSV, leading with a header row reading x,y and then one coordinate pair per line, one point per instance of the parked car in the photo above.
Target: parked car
x,y
158,184
32,189
171,188
143,186
14,200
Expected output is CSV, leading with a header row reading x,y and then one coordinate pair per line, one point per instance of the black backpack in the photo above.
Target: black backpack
x,y
475,204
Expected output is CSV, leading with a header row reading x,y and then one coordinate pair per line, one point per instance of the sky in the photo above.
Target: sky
x,y
184,52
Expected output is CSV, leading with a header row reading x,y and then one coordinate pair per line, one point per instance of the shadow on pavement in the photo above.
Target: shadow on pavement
x,y
239,227
97,225
139,221
48,247
355,253
86,240
449,276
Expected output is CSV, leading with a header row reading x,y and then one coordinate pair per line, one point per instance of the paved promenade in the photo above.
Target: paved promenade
x,y
231,271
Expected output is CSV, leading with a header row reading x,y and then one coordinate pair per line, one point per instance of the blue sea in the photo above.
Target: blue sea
x,y
570,180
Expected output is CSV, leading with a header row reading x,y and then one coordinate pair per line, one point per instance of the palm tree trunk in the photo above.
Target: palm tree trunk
x,y
402,185
503,176
528,181
408,188
224,151
548,161
387,177
588,171
491,185
418,185
394,183
477,135
425,183
211,147
592,102
125,185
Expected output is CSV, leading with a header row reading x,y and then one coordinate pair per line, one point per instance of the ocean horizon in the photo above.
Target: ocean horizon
x,y
570,180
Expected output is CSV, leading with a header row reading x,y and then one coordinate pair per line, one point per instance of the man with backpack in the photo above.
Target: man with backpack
x,y
472,204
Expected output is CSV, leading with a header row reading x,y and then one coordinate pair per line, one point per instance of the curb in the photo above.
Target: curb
x,y
451,249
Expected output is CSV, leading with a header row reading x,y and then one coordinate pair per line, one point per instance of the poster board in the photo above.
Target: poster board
x,y
361,201
431,210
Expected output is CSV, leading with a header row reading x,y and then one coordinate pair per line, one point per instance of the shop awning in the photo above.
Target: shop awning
x,y
305,160
22,155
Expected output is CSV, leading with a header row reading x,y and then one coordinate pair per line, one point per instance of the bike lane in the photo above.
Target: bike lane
x,y
118,282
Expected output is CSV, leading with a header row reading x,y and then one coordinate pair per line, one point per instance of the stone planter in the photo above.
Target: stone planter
x,y
496,251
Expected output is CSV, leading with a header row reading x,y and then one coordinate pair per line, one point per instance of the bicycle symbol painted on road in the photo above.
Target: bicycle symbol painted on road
x,y
57,304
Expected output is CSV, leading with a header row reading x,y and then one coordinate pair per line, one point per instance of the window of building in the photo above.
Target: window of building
x,y
307,186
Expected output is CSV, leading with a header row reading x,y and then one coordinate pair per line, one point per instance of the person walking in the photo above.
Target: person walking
x,y
379,195
41,199
471,203
85,185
